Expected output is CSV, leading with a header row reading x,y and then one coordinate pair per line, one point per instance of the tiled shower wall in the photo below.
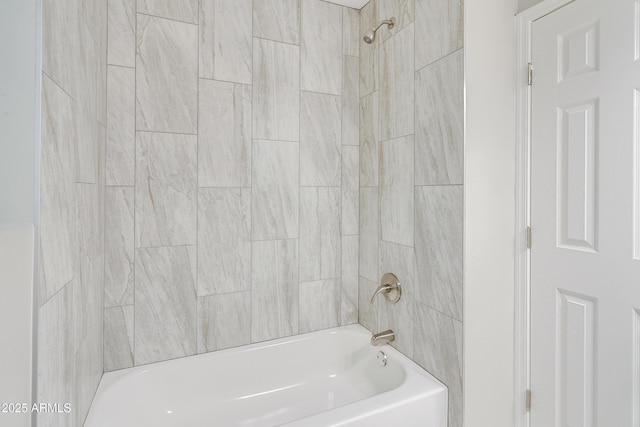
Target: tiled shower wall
x,y
232,174
411,175
72,201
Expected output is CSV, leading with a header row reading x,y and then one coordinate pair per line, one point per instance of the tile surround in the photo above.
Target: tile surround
x,y
320,139
186,10
224,134
274,276
223,321
411,171
225,40
277,20
224,240
121,126
319,233
439,121
166,75
225,156
166,197
165,303
275,191
321,47
276,96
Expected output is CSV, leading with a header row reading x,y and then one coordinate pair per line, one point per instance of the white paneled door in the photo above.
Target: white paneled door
x,y
585,216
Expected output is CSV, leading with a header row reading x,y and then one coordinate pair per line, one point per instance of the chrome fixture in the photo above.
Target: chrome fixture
x,y
382,359
382,338
390,287
370,35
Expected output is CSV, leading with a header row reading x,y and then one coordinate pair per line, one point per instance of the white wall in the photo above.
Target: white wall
x,y
16,275
19,29
489,212
17,111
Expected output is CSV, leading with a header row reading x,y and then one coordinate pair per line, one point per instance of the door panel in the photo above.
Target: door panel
x,y
585,216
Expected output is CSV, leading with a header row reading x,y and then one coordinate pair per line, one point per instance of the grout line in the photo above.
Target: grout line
x,y
164,17
135,178
437,60
197,192
121,66
163,132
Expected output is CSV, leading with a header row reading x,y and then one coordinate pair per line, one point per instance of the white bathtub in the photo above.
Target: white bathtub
x,y
327,378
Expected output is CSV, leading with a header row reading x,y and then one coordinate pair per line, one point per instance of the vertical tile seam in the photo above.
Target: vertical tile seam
x,y
197,192
300,40
342,97
135,176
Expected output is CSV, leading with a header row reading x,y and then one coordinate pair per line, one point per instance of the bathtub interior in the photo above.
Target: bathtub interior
x,y
262,384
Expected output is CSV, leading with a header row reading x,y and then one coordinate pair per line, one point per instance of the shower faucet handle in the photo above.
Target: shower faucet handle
x,y
390,287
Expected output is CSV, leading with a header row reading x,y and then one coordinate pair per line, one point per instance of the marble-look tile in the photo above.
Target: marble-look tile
x,y
57,190
275,192
350,32
224,240
61,42
350,100
369,137
439,248
56,356
397,85
396,190
184,10
276,91
321,47
88,371
369,233
369,70
367,310
277,20
166,200
122,33
440,121
399,260
402,10
88,299
319,233
166,75
89,286
349,277
165,306
86,82
86,111
119,246
224,321
439,27
350,190
320,140
118,338
67,319
274,276
224,134
49,360
225,40
102,43
121,126
319,305
438,349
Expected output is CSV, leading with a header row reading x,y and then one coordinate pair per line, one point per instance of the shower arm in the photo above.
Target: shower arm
x,y
390,22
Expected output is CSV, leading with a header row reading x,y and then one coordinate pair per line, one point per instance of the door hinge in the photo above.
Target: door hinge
x,y
528,237
530,74
527,402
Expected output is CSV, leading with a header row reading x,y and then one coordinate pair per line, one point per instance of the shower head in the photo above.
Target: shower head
x,y
370,35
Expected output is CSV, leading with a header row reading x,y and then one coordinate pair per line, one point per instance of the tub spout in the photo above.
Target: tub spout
x,y
382,338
